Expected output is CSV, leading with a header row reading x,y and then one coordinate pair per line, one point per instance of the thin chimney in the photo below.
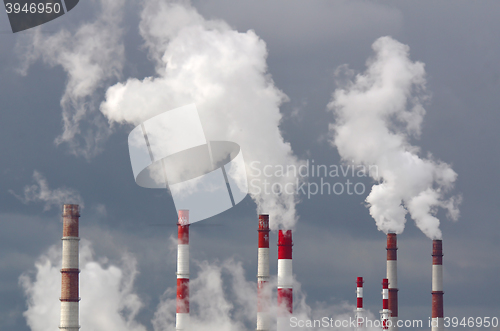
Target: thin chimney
x,y
392,276
437,285
285,277
263,290
70,270
385,314
182,313
359,302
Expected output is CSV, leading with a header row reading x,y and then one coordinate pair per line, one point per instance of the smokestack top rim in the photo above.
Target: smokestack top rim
x,y
263,222
183,217
70,210
392,241
385,283
285,238
359,281
437,247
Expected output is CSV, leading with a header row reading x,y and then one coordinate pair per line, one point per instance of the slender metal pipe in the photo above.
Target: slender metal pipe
x,y
392,276
285,278
70,269
384,313
359,302
437,286
263,290
182,313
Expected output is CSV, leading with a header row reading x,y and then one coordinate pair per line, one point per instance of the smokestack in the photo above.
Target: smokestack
x,y
182,313
359,299
285,277
385,304
70,270
263,295
392,276
437,285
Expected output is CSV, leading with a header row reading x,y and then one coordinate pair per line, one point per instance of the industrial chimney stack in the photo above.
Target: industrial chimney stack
x,y
263,290
182,315
285,277
70,270
359,303
437,285
385,304
392,276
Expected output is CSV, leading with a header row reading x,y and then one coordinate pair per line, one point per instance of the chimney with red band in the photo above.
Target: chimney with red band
x,y
70,270
392,276
263,290
359,303
437,285
285,277
182,315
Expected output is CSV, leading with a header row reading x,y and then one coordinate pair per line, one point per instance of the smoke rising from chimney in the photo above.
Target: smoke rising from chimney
x,y
41,192
223,72
376,114
108,291
91,55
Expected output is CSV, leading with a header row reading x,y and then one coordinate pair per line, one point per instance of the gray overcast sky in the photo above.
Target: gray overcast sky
x,y
335,239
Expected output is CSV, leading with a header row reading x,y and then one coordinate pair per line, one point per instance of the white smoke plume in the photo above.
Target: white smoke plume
x,y
376,114
222,299
224,72
90,56
108,298
41,192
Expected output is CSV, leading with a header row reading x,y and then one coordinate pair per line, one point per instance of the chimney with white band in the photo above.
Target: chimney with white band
x,y
263,290
70,270
385,313
392,276
182,315
359,302
437,285
285,278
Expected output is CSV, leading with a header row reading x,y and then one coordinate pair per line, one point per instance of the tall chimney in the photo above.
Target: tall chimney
x,y
182,313
437,285
263,290
70,270
392,276
385,304
359,303
285,278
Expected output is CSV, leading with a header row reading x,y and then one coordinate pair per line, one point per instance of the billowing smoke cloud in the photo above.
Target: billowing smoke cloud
x,y
222,299
41,192
376,114
224,72
91,55
108,298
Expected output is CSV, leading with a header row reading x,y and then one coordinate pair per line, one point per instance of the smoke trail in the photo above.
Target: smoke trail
x,y
40,192
224,72
222,299
375,116
91,55
108,298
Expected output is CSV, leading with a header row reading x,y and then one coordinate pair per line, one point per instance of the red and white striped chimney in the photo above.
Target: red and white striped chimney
x,y
263,290
182,315
437,285
285,277
359,303
385,304
70,269
392,276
